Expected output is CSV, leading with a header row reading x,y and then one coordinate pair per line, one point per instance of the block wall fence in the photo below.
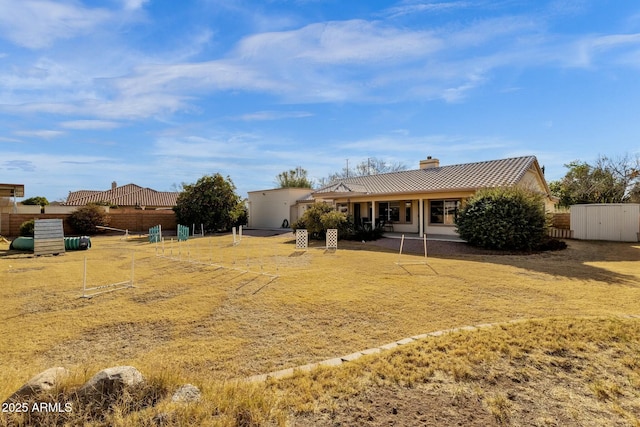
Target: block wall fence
x,y
141,221
132,220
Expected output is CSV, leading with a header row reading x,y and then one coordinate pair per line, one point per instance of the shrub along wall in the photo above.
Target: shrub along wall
x,y
126,219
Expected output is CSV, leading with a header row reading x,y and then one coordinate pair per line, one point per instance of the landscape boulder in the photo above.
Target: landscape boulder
x,y
110,381
44,381
186,394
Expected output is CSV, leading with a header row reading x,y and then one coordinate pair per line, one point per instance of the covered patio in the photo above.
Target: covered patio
x,y
8,191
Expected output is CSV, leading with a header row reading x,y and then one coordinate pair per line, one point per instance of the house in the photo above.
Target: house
x,y
425,200
129,195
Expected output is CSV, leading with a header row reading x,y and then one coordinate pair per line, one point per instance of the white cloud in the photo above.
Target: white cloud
x,y
11,140
134,4
337,61
274,115
592,49
45,134
412,7
340,42
37,24
90,125
219,147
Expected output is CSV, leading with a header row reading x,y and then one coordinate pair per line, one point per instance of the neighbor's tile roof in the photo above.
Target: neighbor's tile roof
x,y
125,195
493,173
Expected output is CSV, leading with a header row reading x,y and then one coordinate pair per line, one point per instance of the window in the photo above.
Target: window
x,y
407,212
389,211
444,211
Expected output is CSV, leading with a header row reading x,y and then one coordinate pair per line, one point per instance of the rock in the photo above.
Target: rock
x,y
44,381
186,394
110,381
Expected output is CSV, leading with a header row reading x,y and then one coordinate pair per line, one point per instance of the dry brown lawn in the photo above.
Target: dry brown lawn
x,y
190,322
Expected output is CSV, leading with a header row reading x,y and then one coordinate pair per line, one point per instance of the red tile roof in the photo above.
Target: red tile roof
x,y
125,195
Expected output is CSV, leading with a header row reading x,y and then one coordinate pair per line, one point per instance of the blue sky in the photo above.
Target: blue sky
x,y
162,92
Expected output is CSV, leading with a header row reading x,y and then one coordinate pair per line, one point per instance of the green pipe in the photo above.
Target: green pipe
x,y
70,243
22,244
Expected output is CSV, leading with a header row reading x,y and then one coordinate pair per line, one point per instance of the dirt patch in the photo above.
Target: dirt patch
x,y
397,406
125,340
23,270
554,373
158,295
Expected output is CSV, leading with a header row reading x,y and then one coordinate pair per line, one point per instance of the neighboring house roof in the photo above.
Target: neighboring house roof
x,y
125,195
468,176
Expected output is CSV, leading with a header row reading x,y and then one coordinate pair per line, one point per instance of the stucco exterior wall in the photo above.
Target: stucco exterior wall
x,y
269,208
532,181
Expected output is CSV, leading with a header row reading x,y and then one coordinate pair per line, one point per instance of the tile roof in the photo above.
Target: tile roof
x,y
492,173
125,195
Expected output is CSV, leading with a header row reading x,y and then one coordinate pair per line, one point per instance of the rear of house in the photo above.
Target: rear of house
x,y
424,200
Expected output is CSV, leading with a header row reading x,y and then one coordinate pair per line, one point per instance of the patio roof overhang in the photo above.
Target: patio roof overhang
x,y
338,194
11,190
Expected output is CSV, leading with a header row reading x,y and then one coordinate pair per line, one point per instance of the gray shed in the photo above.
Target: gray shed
x,y
618,222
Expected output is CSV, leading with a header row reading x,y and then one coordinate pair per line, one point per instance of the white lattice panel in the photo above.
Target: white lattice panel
x,y
332,238
302,239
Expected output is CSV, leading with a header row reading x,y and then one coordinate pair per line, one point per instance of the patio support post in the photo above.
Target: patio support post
x,y
373,214
421,216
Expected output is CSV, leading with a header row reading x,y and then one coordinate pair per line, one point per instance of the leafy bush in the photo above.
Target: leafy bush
x,y
509,218
319,218
334,219
85,219
27,227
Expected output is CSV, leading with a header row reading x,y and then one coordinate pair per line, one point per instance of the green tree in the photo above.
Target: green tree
x,y
211,201
509,218
294,178
608,180
36,201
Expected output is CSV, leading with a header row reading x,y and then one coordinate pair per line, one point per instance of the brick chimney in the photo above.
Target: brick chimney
x,y
114,185
429,163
